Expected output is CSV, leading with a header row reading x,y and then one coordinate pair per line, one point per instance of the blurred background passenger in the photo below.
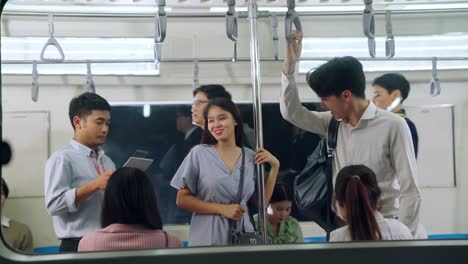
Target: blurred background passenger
x,y
390,91
16,234
170,162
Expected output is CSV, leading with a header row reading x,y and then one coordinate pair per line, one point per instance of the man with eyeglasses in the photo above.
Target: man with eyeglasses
x,y
201,96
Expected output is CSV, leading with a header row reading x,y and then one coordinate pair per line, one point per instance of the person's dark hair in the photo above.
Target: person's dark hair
x,y
356,189
5,189
281,192
337,76
130,199
184,110
213,91
228,106
392,82
84,104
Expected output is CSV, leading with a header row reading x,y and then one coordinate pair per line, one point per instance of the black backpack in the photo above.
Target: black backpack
x,y
313,186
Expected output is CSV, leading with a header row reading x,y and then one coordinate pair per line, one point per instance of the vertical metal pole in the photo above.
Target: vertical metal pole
x,y
257,112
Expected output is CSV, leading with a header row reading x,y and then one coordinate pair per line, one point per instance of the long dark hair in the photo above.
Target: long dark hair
x,y
130,199
356,189
281,192
228,106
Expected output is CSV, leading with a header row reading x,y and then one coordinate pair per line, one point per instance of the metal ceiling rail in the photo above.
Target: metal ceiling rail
x,y
222,15
227,59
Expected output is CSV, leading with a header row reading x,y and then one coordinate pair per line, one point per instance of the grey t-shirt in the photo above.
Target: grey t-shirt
x,y
205,174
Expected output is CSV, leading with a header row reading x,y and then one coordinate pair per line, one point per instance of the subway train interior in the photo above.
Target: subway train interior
x,y
150,59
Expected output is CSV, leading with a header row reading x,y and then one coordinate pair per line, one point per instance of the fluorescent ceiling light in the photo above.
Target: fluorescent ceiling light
x,y
448,45
393,66
146,110
108,69
415,7
29,49
351,8
330,8
279,9
223,9
91,9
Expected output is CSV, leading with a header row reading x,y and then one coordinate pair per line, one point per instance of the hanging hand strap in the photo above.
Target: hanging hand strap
x,y
435,83
90,87
52,42
35,83
274,26
390,42
368,23
160,22
292,18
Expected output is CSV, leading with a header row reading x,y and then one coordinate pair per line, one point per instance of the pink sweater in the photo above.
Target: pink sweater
x,y
122,237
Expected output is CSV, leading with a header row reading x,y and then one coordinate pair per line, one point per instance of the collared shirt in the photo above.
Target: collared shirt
x,y
67,169
17,235
381,141
189,132
5,221
390,229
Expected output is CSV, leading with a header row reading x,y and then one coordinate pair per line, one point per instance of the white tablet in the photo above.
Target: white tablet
x,y
139,163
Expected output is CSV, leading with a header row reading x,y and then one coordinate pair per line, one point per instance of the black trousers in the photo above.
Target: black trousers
x,y
69,245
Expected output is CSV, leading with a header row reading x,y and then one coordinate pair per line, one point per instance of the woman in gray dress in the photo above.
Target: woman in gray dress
x,y
208,178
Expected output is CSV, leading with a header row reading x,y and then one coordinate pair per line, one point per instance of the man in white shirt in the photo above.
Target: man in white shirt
x,y
367,135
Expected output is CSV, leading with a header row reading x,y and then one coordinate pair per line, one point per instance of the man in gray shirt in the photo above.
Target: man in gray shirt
x,y
77,174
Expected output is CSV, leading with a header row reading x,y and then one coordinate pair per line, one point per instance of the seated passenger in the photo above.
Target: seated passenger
x,y
358,197
16,234
130,216
208,178
281,228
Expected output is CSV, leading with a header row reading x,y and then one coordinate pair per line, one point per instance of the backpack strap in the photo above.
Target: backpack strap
x,y
166,238
332,135
331,145
241,186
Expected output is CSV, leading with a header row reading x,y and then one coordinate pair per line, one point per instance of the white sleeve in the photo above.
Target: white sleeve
x,y
404,160
297,114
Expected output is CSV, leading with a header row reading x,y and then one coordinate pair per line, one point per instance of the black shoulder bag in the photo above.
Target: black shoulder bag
x,y
313,187
238,235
